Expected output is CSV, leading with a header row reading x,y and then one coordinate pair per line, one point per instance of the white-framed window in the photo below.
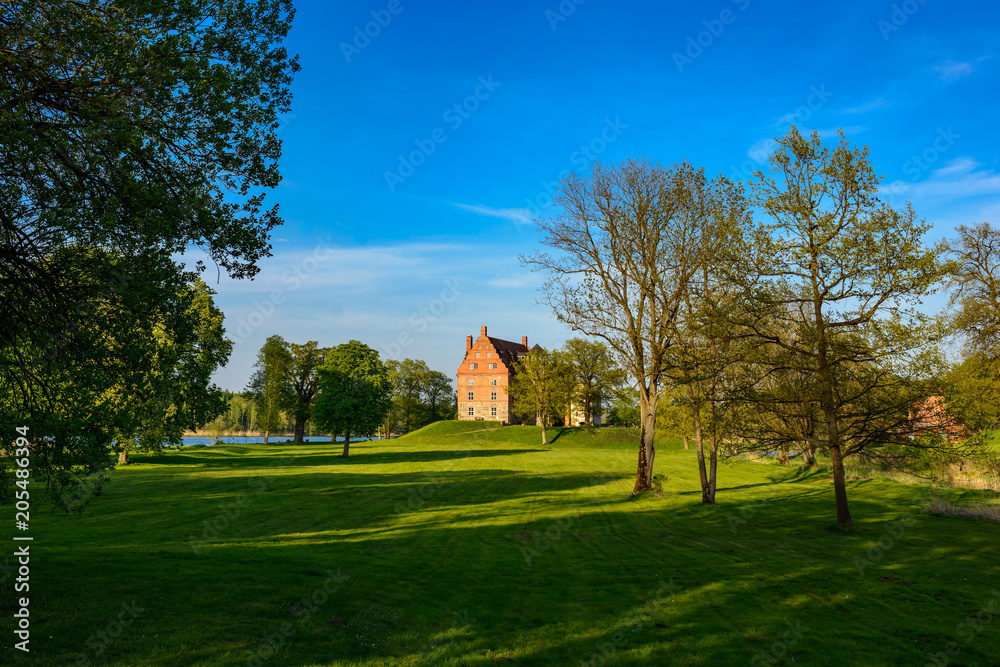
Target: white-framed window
x,y
477,355
470,381
471,396
493,412
491,366
473,367
493,382
472,412
489,354
493,396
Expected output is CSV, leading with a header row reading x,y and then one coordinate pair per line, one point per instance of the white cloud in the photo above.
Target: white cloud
x,y
866,107
417,300
959,178
518,216
526,279
950,71
762,150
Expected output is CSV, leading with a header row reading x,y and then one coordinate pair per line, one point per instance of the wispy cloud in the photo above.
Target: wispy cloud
x,y
950,71
519,216
526,279
762,150
959,178
866,107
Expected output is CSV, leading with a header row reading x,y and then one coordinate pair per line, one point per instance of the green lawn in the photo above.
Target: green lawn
x,y
463,544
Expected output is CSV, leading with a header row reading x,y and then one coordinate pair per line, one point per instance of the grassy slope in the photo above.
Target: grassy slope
x,y
435,532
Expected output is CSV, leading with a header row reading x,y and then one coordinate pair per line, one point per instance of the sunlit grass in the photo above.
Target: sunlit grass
x,y
469,544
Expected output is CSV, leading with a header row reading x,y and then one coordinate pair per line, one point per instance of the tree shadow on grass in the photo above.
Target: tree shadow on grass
x,y
334,458
800,475
591,591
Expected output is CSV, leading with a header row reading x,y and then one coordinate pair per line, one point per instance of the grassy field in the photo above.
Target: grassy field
x,y
463,544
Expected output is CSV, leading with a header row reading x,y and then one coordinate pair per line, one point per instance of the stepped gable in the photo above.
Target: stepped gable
x,y
507,350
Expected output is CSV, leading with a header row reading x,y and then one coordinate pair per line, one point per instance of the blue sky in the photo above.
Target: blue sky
x,y
405,214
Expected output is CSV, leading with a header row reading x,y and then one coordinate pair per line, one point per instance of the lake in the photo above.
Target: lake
x,y
240,440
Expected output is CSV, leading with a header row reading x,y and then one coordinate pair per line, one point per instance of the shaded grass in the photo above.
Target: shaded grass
x,y
459,546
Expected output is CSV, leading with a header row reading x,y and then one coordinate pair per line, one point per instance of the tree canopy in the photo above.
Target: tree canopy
x,y
354,392
133,132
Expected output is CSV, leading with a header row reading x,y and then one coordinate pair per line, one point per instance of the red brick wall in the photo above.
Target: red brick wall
x,y
482,385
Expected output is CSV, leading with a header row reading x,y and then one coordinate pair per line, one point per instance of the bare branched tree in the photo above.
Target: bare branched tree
x,y
628,243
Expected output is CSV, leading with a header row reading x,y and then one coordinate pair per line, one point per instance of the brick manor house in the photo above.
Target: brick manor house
x,y
484,375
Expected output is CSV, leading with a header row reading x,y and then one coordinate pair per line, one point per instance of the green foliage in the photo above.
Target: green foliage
x,y
271,384
354,392
132,131
542,386
972,394
419,396
596,373
625,408
408,378
305,359
179,395
440,397
171,110
134,369
975,284
834,279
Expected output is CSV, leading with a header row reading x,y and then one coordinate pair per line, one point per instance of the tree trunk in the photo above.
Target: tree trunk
x,y
708,492
783,454
836,455
540,417
699,449
809,455
123,457
300,429
713,466
833,426
647,453
347,444
840,486
686,442
267,434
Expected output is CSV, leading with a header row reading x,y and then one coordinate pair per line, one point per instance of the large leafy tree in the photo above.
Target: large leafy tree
x,y
305,359
132,131
542,385
128,370
179,395
354,392
409,378
439,396
840,276
271,386
597,375
973,385
975,283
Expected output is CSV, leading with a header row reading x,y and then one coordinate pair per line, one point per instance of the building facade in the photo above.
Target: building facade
x,y
484,376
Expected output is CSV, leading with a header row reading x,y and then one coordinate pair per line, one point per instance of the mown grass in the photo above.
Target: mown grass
x,y
478,546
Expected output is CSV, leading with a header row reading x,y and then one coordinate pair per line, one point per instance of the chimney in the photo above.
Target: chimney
x,y
524,341
468,343
482,332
